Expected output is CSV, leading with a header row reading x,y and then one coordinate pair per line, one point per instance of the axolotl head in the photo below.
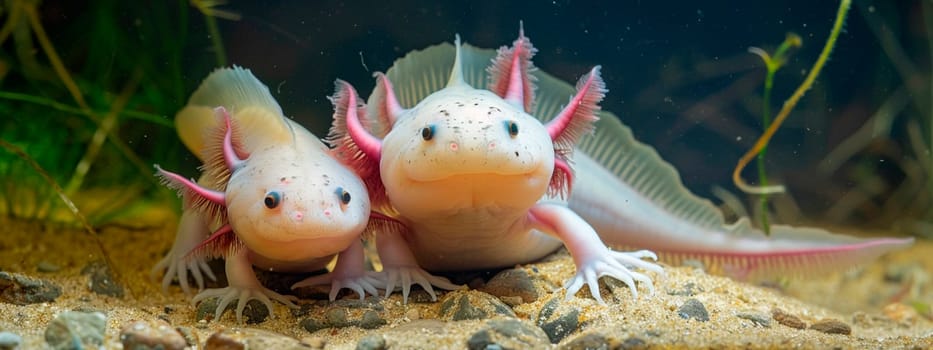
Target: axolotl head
x,y
292,201
463,147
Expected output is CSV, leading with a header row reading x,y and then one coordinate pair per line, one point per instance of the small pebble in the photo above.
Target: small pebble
x,y
694,309
900,312
251,338
312,325
371,342
758,319
831,326
688,290
72,329
590,341
101,279
371,320
191,337
155,334
508,333
787,319
634,343
22,290
472,305
9,340
45,266
556,321
512,283
413,314
336,317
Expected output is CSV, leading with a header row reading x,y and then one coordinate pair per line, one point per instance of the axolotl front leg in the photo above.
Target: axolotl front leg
x,y
242,286
592,258
192,230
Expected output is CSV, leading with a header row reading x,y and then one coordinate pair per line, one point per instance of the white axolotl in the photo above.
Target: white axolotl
x,y
477,181
621,187
272,192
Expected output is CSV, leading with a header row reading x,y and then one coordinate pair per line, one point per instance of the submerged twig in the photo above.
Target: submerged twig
x,y
19,152
11,21
788,106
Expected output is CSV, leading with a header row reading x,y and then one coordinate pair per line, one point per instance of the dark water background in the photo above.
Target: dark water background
x,y
678,73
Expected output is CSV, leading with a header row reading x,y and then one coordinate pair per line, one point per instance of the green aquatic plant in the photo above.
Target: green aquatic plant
x,y
96,116
772,64
757,150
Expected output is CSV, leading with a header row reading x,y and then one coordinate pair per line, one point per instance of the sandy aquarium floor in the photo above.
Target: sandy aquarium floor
x,y
881,305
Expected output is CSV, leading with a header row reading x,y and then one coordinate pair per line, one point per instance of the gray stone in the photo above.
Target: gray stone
x,y
758,319
371,342
561,327
591,341
191,337
694,309
372,302
512,283
254,312
508,333
251,338
371,320
101,279
22,290
480,340
155,334
472,305
312,325
76,330
556,321
9,340
831,326
634,343
688,290
336,317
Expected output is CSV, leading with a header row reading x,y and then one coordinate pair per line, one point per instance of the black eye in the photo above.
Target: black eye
x,y
343,195
427,133
272,200
512,127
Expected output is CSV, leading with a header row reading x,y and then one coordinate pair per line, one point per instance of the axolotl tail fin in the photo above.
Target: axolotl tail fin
x,y
634,198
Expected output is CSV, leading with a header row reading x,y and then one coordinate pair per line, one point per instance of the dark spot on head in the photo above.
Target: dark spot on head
x,y
516,153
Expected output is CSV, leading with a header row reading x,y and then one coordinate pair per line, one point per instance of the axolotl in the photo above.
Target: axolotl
x,y
271,195
476,180
449,167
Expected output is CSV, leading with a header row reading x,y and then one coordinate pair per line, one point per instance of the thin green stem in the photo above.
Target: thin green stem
x,y
106,125
216,40
788,106
765,123
148,117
